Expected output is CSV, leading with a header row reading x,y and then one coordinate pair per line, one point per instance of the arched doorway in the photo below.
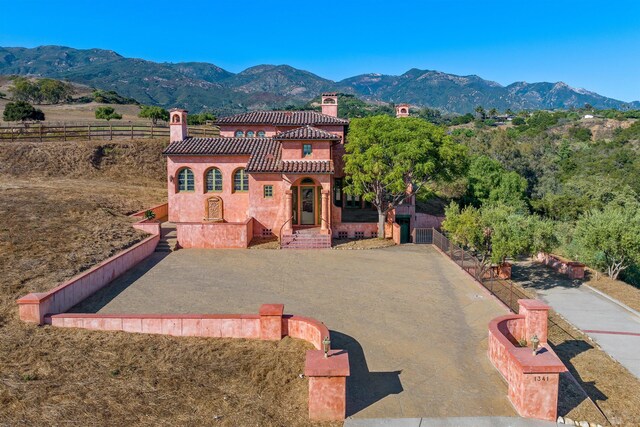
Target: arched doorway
x,y
306,206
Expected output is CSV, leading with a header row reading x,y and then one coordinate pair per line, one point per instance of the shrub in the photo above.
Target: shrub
x,y
21,111
107,113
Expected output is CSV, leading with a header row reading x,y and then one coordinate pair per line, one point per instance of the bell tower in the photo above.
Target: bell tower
x,y
330,104
402,110
177,124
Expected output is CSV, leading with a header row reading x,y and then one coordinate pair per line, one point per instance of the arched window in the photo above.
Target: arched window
x,y
261,134
403,110
213,179
239,134
176,118
185,180
250,134
240,180
307,181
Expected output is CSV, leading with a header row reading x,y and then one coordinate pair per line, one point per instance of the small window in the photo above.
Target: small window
x,y
261,134
306,150
240,180
250,134
176,118
185,180
268,190
214,179
337,192
239,134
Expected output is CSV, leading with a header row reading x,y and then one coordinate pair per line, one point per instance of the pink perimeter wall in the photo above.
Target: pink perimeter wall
x,y
161,211
575,270
327,376
532,379
34,306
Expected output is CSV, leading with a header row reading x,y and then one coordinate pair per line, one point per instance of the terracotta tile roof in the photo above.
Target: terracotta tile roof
x,y
264,154
282,118
215,146
307,166
307,132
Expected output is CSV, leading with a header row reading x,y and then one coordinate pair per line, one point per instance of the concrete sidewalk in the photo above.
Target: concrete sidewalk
x,y
615,328
449,422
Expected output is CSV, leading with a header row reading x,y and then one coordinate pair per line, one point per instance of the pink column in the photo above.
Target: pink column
x,y
324,226
271,321
327,384
535,314
288,209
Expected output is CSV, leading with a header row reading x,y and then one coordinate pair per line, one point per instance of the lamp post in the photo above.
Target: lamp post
x,y
326,346
535,342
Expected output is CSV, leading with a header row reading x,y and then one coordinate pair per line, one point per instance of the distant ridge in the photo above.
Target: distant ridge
x,y
199,86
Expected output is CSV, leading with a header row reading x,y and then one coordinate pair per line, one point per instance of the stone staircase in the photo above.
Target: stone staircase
x,y
168,238
306,239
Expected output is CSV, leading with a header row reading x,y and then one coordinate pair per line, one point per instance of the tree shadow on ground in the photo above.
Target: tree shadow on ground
x,y
104,296
571,396
364,388
531,274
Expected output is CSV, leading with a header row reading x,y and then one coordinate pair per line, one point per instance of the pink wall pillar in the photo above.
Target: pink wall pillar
x,y
535,314
271,321
327,384
288,209
324,226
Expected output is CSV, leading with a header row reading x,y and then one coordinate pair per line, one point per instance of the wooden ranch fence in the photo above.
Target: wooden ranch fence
x,y
66,132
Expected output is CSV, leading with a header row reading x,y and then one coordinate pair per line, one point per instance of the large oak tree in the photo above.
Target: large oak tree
x,y
390,159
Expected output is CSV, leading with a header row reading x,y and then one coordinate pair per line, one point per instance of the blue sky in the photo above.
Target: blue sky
x,y
589,44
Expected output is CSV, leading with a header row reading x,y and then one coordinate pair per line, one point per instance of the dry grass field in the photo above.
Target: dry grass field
x,y
80,113
64,208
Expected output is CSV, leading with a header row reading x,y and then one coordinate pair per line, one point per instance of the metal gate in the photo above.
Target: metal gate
x,y
423,235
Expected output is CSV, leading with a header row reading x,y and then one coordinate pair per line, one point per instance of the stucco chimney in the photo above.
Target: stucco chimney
x,y
330,104
177,124
402,110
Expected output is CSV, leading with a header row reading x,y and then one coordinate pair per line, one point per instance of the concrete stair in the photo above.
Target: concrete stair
x,y
305,239
168,238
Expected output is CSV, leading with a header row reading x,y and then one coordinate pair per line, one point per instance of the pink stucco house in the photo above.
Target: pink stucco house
x,y
269,173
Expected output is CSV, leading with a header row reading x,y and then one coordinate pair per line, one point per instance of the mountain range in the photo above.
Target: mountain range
x,y
201,86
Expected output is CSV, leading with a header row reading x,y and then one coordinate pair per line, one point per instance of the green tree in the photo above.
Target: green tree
x,y
107,113
608,239
495,233
54,91
481,112
490,183
200,119
21,111
153,113
23,89
493,112
389,159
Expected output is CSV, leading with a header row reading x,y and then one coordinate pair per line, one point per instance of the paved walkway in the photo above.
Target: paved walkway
x,y
414,324
614,328
449,422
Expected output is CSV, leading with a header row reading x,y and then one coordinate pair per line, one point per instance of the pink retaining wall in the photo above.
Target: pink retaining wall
x,y
148,226
327,375
215,234
575,270
532,379
34,306
161,211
